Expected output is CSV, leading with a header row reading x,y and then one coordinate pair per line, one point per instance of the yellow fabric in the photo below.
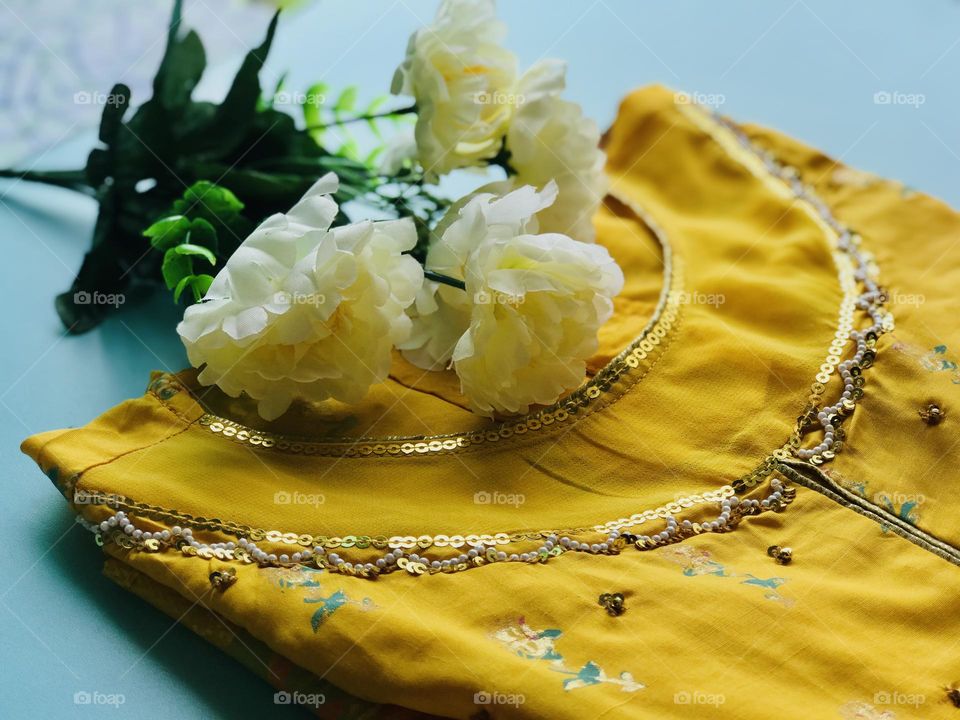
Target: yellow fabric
x,y
860,618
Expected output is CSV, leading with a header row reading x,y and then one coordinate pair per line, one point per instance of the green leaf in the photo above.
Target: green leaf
x,y
175,267
198,284
189,249
167,232
375,104
202,233
202,283
346,101
311,108
178,290
113,111
184,65
211,202
234,115
350,149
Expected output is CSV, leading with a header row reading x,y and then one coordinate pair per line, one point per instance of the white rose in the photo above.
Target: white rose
x,y
532,306
550,139
303,311
462,80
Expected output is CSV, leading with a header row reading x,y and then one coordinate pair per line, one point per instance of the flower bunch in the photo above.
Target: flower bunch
x,y
511,291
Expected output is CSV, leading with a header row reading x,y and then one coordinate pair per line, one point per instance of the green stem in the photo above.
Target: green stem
x,y
361,118
445,279
70,179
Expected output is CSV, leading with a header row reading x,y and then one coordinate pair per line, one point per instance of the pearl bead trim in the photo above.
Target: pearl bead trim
x,y
610,539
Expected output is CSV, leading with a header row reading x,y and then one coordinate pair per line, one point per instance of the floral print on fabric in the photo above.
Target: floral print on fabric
x,y
523,640
937,359
857,710
308,579
905,506
698,561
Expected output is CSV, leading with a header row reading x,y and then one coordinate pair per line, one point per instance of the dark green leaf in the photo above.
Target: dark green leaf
x,y
167,232
175,267
192,250
184,65
200,285
178,290
235,114
202,233
117,103
205,200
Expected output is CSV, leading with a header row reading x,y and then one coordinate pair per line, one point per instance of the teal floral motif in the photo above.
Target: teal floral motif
x,y
523,640
903,505
308,579
934,360
698,561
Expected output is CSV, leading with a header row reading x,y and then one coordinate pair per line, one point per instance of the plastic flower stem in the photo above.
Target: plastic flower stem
x,y
445,279
361,118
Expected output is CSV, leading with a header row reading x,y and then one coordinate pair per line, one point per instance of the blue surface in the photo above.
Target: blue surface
x,y
809,68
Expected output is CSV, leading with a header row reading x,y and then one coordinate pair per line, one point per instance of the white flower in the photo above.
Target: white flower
x,y
550,139
301,310
462,80
532,306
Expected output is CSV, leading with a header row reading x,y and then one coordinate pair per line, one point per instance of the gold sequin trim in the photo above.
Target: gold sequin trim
x,y
632,363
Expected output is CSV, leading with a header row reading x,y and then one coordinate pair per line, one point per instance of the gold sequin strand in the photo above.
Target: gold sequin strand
x,y
403,553
627,367
862,297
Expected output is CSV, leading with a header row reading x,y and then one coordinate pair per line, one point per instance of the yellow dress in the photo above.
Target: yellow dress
x,y
498,539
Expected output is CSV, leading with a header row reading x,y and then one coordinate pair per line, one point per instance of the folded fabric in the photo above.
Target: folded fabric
x,y
746,508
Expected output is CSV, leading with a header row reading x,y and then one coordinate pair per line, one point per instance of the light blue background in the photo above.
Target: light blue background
x,y
810,68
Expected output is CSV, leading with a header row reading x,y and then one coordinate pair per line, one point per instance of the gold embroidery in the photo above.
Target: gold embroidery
x,y
631,364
